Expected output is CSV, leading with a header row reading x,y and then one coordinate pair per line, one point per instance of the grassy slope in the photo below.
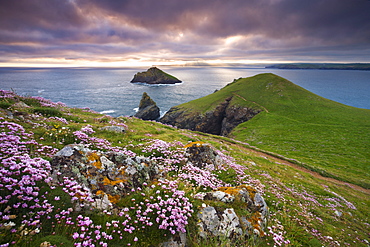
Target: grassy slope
x,y
300,204
327,136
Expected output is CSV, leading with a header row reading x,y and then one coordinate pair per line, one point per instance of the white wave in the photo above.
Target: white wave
x,y
40,91
107,111
162,113
157,85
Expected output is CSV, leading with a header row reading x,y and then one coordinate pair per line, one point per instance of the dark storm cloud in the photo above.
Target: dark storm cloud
x,y
191,29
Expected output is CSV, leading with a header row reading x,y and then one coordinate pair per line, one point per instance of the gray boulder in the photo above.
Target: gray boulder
x,y
226,221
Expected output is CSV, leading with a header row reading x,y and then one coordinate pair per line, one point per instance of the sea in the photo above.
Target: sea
x,y
109,91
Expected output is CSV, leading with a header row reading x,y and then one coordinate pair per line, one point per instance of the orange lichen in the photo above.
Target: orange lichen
x,y
255,221
113,199
94,159
236,190
107,181
198,143
100,192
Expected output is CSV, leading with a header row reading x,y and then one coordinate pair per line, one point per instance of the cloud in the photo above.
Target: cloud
x,y
185,30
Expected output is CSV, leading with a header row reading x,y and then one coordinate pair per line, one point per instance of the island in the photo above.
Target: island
x,y
154,76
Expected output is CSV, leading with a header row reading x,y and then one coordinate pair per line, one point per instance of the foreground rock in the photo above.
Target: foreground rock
x,y
249,218
155,76
219,121
104,178
148,109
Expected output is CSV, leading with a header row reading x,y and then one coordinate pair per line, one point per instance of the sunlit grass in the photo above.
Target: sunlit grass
x,y
302,206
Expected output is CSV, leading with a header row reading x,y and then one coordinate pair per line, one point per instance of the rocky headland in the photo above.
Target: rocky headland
x,y
219,121
154,76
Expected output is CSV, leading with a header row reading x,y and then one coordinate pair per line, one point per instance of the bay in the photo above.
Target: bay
x,y
109,90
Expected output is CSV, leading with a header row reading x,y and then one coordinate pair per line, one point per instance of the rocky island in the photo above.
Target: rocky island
x,y
148,109
154,76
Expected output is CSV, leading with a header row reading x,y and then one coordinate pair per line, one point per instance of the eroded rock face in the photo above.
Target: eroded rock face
x,y
219,121
249,218
148,109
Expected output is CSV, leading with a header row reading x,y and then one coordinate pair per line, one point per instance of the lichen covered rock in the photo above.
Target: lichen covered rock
x,y
244,213
102,179
105,176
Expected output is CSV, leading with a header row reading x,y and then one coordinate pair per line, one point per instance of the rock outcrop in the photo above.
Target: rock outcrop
x,y
102,179
148,109
227,220
155,76
219,121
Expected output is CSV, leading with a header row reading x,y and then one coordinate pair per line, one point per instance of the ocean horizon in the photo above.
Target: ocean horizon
x,y
109,91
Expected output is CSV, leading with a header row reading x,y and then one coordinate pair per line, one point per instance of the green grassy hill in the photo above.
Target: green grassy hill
x,y
305,208
324,135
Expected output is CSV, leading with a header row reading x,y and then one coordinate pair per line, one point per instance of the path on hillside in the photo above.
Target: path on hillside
x,y
300,168
237,95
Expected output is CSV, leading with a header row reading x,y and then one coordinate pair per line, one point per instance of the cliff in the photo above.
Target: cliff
x,y
219,121
154,76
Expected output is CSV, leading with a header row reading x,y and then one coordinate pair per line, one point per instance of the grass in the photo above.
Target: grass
x,y
326,136
302,206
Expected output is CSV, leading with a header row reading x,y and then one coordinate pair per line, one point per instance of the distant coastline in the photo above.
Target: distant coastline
x,y
341,66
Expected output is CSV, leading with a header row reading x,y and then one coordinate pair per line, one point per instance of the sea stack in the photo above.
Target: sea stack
x,y
154,76
148,109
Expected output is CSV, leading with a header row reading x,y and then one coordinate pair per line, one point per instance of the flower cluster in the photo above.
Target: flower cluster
x,y
169,154
229,163
5,94
83,136
21,179
76,191
340,199
48,103
60,119
277,234
89,234
171,207
162,206
94,142
200,177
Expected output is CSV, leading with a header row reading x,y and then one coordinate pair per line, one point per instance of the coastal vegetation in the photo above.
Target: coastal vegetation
x,y
306,209
319,134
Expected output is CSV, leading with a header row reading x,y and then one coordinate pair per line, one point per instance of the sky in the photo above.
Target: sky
x,y
121,33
